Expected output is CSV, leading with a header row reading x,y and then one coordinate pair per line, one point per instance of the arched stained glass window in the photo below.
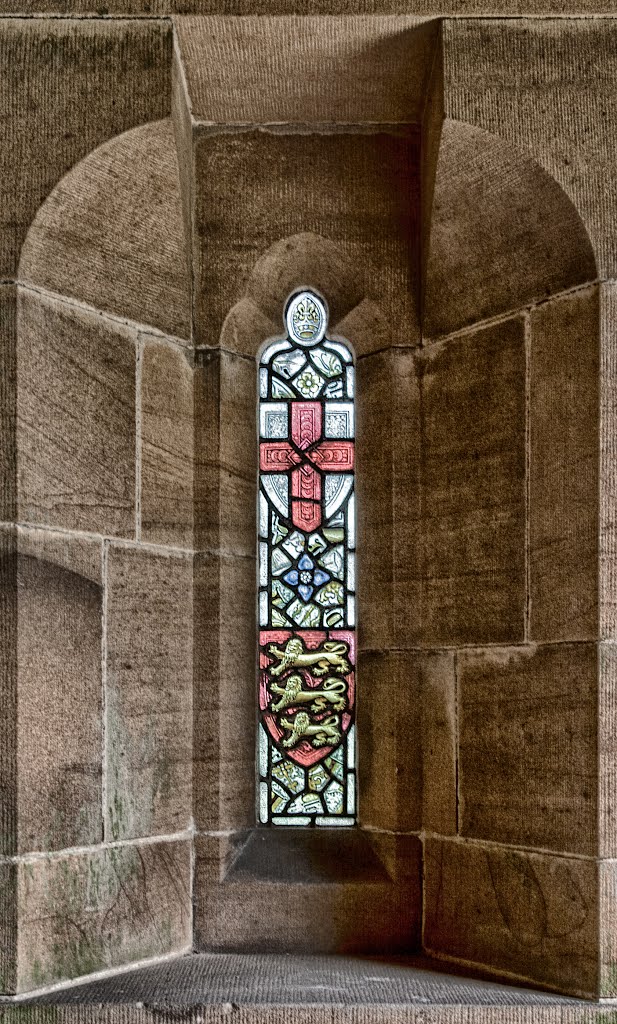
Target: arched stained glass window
x,y
307,617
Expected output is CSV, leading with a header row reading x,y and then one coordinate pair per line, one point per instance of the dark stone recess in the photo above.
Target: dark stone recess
x,y
306,856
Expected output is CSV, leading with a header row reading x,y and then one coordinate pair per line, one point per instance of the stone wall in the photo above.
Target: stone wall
x,y
447,185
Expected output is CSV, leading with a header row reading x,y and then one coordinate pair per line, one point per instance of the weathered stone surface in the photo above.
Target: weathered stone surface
x,y
8,927
370,214
374,505
439,732
309,260
260,70
166,507
608,938
503,232
390,768
406,729
8,402
59,685
530,915
225,453
225,691
563,470
473,477
405,450
607,587
149,692
8,690
545,86
111,232
75,418
427,8
607,750
86,912
67,87
529,776
310,907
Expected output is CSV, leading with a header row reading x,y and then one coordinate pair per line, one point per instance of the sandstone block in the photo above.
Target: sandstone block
x,y
473,477
370,214
608,463
8,690
166,445
8,928
503,233
528,742
8,402
111,233
59,739
149,692
272,70
225,692
81,913
406,731
75,418
531,916
563,477
325,892
225,453
374,505
68,86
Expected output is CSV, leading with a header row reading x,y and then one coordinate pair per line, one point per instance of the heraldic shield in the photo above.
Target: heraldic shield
x,y
306,691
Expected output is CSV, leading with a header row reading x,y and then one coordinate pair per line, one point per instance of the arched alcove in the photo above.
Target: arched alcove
x,y
478,564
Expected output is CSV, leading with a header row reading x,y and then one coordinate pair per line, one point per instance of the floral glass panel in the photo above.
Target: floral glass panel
x,y
307,617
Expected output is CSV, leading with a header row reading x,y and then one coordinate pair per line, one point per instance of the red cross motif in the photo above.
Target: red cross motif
x,y
307,456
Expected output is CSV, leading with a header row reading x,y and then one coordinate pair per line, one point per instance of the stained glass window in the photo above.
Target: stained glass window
x,y
307,617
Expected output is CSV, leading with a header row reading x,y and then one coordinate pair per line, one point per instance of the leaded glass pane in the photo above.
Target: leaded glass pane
x,y
307,641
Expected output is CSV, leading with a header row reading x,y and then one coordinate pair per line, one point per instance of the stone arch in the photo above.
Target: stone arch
x,y
111,233
503,233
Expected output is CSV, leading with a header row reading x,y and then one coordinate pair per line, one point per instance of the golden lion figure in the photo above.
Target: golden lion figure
x,y
333,693
331,656
321,734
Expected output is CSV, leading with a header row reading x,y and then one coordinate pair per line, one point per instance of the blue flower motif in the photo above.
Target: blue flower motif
x,y
306,577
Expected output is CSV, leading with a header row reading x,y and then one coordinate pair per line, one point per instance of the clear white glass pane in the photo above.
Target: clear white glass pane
x,y
263,382
263,802
263,608
276,346
339,420
296,819
351,793
351,522
263,564
351,610
342,350
263,516
351,748
273,420
263,751
335,821
351,571
351,381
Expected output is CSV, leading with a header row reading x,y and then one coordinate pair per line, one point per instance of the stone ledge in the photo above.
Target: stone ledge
x,y
323,987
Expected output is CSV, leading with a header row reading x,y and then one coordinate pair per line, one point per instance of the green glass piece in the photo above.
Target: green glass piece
x,y
280,390
281,595
334,798
279,620
335,767
291,775
306,615
280,562
326,362
331,593
334,561
318,778
334,536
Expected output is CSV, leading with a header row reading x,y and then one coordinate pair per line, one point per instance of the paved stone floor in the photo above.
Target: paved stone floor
x,y
251,979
